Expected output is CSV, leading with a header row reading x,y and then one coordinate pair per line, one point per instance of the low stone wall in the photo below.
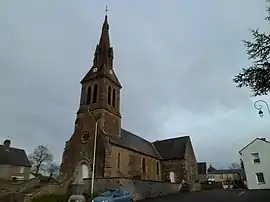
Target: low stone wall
x,y
141,189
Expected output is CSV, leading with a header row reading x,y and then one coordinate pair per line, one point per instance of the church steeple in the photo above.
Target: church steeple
x,y
104,42
103,58
100,93
104,52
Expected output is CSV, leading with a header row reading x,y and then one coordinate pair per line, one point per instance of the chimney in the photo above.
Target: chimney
x,y
7,144
263,139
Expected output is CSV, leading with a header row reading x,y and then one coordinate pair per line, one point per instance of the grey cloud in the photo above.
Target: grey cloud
x,y
175,61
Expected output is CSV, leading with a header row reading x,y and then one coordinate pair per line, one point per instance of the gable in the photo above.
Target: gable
x,y
14,157
174,148
261,141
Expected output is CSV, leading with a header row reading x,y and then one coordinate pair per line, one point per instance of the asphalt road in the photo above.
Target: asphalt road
x,y
217,196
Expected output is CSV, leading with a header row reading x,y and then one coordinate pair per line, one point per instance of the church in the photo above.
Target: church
x,y
118,152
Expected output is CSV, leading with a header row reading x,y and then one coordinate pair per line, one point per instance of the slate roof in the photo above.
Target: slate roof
x,y
14,157
164,150
201,168
211,169
173,148
221,171
133,142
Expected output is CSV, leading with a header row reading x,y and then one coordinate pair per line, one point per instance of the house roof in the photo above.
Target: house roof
x,y
14,157
261,139
135,143
173,148
211,169
201,168
164,149
225,171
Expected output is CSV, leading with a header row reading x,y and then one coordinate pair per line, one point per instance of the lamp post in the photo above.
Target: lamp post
x,y
94,154
259,107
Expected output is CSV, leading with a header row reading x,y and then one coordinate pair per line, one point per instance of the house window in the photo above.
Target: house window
x,y
118,160
157,167
143,165
256,158
21,170
260,178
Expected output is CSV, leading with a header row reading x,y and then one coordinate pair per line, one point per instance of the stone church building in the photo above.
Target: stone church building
x,y
119,153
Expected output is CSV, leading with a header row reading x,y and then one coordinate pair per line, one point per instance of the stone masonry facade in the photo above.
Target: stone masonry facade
x,y
119,153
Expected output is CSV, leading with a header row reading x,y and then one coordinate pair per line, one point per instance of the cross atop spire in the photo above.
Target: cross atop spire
x,y
106,10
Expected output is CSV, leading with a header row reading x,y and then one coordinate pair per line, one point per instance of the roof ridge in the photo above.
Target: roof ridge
x,y
137,136
173,138
13,148
247,145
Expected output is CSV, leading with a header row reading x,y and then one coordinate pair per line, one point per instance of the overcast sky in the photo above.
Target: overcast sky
x,y
175,59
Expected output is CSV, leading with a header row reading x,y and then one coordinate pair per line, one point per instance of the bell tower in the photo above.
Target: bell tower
x,y
100,94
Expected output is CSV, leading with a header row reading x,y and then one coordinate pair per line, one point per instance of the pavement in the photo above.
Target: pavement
x,y
217,196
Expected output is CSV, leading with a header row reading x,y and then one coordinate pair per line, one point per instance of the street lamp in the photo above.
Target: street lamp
x,y
94,154
259,107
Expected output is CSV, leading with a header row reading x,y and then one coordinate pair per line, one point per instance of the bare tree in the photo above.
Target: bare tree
x,y
235,166
53,170
40,159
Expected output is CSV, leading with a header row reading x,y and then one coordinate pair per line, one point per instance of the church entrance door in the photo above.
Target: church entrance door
x,y
172,176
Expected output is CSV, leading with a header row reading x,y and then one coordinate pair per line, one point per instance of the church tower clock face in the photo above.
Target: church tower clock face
x,y
85,137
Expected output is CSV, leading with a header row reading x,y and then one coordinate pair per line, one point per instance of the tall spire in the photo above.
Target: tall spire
x,y
103,57
104,38
104,42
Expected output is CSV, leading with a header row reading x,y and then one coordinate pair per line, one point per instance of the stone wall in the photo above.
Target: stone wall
x,y
141,189
175,166
191,169
127,163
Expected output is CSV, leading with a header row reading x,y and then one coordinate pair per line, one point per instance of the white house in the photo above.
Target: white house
x,y
255,157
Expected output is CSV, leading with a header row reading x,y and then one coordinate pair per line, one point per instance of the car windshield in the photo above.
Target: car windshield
x,y
107,193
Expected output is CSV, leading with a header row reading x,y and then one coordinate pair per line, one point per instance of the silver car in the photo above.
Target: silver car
x,y
114,195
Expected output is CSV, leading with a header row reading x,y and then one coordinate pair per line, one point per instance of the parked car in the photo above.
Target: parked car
x,y
114,195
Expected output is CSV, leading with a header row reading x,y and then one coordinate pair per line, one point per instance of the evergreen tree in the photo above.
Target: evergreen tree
x,y
257,77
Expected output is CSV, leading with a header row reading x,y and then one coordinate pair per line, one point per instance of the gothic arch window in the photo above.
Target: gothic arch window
x,y
143,165
88,96
95,92
113,98
109,94
157,167
118,161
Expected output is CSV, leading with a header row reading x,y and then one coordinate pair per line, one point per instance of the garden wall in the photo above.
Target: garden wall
x,y
141,189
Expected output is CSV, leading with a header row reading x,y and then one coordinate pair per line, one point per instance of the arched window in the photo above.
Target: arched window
x,y
109,94
85,171
118,161
113,98
143,165
88,98
157,167
95,93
